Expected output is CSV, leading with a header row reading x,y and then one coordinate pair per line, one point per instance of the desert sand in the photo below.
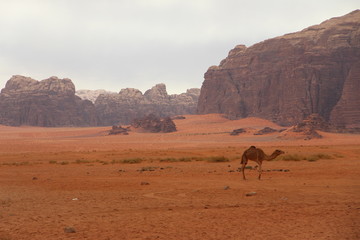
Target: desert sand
x,y
80,183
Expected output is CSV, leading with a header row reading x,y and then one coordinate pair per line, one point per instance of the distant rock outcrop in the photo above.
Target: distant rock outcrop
x,y
48,103
307,129
287,78
238,131
130,103
151,123
119,130
266,130
90,95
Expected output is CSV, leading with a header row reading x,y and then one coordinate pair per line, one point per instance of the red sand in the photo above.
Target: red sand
x,y
53,178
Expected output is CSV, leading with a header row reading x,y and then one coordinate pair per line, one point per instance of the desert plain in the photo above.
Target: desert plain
x,y
80,183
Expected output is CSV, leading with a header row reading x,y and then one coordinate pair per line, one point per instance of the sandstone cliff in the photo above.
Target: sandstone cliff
x,y
130,103
90,95
49,103
285,79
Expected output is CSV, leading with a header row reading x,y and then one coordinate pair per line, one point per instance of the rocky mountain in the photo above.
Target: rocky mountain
x,y
287,78
90,95
130,103
50,103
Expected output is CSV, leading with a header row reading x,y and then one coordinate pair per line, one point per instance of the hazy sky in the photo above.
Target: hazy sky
x,y
115,44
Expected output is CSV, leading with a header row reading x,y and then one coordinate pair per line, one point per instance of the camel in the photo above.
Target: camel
x,y
257,155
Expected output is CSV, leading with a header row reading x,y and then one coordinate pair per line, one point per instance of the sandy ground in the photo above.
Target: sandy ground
x,y
167,186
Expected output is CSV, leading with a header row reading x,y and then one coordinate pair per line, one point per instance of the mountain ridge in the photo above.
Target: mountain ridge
x,y
287,78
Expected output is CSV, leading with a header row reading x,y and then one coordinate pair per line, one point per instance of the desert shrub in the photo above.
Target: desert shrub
x,y
183,159
79,161
102,162
52,161
149,168
131,160
315,157
310,158
168,159
291,157
324,156
218,159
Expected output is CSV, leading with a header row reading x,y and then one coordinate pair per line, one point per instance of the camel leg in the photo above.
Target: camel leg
x,y
260,170
243,169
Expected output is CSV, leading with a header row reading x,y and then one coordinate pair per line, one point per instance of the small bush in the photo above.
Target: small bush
x,y
183,159
292,157
324,156
315,157
52,161
218,159
132,160
150,169
102,162
310,158
168,160
79,161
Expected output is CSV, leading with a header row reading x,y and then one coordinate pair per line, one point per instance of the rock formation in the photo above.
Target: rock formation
x,y
130,104
287,78
151,123
236,132
49,103
90,95
307,128
266,130
119,130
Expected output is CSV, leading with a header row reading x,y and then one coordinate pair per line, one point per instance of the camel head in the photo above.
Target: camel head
x,y
278,152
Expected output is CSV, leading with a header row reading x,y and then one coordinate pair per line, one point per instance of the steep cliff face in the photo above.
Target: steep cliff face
x,y
130,104
49,103
285,79
346,112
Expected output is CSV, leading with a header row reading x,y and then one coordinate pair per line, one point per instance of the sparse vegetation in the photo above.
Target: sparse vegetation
x,y
149,169
291,157
79,161
310,158
182,159
131,160
16,164
218,159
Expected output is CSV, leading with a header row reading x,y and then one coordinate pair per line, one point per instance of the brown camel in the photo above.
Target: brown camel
x,y
257,155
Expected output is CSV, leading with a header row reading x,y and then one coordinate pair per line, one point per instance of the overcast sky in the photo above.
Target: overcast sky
x,y
115,44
